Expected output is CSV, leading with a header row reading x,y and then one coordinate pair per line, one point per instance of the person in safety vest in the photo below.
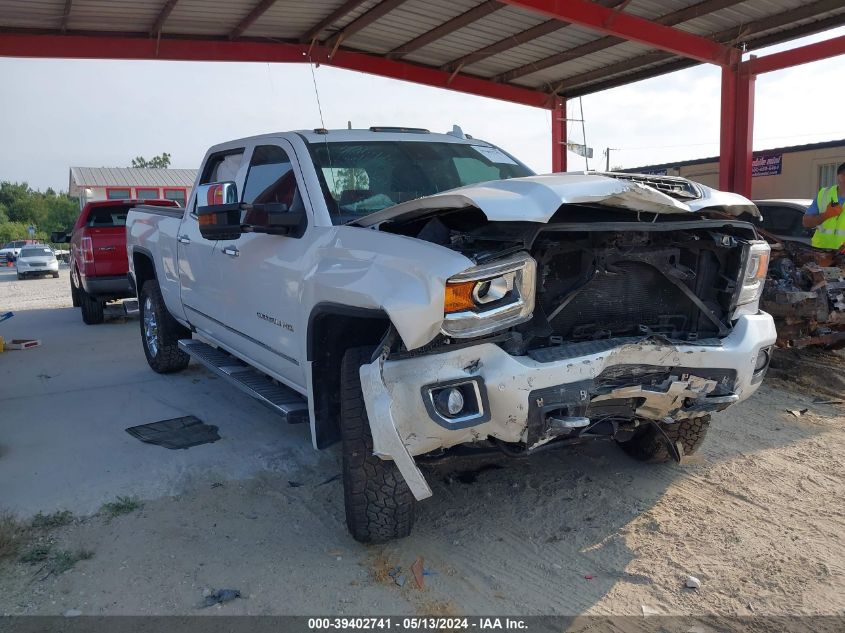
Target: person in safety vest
x,y
825,214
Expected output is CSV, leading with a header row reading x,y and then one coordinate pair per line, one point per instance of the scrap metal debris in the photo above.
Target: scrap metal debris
x,y
805,293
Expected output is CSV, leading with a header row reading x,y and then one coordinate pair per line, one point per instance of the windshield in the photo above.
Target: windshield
x,y
361,177
37,252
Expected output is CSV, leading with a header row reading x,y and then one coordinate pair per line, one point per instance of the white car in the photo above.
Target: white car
x,y
37,260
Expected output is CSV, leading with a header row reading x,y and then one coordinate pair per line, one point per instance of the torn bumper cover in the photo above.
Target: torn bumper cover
x,y
518,398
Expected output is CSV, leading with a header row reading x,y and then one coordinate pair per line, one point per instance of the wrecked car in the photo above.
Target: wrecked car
x,y
406,293
805,289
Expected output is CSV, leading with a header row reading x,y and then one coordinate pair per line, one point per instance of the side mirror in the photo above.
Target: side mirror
x,y
218,211
59,237
278,219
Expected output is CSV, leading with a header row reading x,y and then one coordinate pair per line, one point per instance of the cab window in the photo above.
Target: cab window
x,y
271,179
222,167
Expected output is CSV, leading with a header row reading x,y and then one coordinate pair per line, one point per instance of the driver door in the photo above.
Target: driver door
x,y
265,271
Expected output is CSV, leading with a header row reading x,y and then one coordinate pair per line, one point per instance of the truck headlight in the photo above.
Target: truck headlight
x,y
490,297
752,279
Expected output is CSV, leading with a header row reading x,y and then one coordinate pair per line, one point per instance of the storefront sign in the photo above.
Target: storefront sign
x,y
767,165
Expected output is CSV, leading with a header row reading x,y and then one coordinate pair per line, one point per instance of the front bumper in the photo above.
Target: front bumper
x,y
515,388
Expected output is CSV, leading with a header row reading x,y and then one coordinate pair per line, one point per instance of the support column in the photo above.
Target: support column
x,y
727,128
737,127
559,135
743,150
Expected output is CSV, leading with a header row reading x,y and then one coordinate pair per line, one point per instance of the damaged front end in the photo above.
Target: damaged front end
x,y
594,323
805,293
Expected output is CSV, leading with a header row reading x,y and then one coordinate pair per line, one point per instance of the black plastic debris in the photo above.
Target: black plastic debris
x,y
183,432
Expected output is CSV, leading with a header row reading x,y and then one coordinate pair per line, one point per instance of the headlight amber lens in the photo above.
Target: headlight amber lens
x,y
758,266
459,296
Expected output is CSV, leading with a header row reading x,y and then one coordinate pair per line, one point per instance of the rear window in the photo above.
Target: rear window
x,y
41,251
107,216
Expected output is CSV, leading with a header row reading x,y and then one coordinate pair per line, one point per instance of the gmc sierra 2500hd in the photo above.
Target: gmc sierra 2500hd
x,y
406,292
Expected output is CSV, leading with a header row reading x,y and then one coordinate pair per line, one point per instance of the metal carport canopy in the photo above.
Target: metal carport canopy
x,y
532,52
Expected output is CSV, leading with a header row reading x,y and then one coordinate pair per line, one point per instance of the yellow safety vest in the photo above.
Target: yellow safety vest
x,y
830,233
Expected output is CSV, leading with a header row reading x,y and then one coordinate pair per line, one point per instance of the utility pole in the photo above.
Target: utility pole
x,y
607,155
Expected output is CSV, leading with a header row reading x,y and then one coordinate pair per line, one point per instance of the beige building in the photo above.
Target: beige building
x,y
784,172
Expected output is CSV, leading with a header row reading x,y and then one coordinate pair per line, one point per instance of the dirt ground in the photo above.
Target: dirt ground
x,y
757,515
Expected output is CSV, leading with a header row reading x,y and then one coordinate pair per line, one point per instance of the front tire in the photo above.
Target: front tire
x,y
56,275
92,308
20,276
379,505
650,446
160,332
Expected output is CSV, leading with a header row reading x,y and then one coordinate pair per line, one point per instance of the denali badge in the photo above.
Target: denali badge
x,y
275,321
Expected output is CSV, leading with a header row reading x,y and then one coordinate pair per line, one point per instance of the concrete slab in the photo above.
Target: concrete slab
x,y
64,408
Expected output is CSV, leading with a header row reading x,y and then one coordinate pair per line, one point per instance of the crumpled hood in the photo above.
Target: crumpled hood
x,y
537,198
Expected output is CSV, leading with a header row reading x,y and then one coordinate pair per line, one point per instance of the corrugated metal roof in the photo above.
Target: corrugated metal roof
x,y
382,27
131,177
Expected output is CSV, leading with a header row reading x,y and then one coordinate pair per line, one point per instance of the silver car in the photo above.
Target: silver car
x,y
37,260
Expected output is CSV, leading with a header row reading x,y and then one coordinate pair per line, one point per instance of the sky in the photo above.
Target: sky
x,y
98,113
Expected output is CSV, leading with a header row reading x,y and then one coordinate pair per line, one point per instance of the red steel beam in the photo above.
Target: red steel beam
x,y
743,148
669,19
797,56
559,135
727,128
629,27
736,128
127,47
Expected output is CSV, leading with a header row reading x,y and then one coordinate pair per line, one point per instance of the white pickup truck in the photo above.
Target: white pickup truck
x,y
405,293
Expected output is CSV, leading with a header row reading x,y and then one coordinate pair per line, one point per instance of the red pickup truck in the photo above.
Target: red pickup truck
x,y
98,264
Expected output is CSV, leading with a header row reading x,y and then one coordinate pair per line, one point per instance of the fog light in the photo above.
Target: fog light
x,y
449,402
762,360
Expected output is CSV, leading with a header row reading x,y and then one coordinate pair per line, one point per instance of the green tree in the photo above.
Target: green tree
x,y
156,162
21,206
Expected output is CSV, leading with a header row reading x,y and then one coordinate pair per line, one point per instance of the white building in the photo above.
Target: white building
x,y
124,183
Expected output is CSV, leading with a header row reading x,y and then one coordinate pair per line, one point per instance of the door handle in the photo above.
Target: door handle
x,y
231,251
184,239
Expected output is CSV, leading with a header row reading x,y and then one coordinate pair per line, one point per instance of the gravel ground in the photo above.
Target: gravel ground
x,y
34,292
756,515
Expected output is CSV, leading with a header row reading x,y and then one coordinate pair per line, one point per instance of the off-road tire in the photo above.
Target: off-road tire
x,y
650,446
74,292
379,505
167,358
92,308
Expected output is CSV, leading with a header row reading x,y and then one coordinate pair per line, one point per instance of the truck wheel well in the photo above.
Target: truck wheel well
x,y
330,334
144,269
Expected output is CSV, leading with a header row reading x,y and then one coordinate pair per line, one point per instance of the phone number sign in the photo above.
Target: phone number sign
x,y
767,165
